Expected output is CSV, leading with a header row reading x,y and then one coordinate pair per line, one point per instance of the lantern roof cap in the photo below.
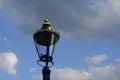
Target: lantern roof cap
x,y
46,27
46,21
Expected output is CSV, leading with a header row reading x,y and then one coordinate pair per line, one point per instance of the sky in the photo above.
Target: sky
x,y
89,45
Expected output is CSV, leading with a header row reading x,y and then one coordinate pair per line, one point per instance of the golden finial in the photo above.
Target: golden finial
x,y
46,21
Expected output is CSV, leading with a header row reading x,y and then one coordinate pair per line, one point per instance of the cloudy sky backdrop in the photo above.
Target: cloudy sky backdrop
x,y
89,46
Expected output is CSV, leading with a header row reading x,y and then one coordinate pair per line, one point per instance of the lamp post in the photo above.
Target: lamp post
x,y
45,40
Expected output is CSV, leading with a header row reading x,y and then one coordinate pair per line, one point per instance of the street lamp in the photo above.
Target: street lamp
x,y
45,40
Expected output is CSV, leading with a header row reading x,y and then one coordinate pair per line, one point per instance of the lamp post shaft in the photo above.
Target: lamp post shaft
x,y
47,55
46,73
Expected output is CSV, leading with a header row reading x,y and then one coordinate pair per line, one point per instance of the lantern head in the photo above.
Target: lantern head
x,y
45,40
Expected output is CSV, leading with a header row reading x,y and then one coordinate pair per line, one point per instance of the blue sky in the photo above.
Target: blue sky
x,y
89,46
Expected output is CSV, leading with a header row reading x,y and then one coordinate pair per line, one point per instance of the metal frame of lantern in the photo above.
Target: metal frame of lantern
x,y
46,37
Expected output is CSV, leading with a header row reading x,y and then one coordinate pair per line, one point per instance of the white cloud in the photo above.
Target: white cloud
x,y
96,59
66,74
108,72
69,74
117,60
33,69
8,62
3,38
4,44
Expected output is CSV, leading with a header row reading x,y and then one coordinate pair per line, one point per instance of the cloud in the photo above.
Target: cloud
x,y
8,62
33,69
108,72
69,74
66,74
82,19
4,40
96,59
